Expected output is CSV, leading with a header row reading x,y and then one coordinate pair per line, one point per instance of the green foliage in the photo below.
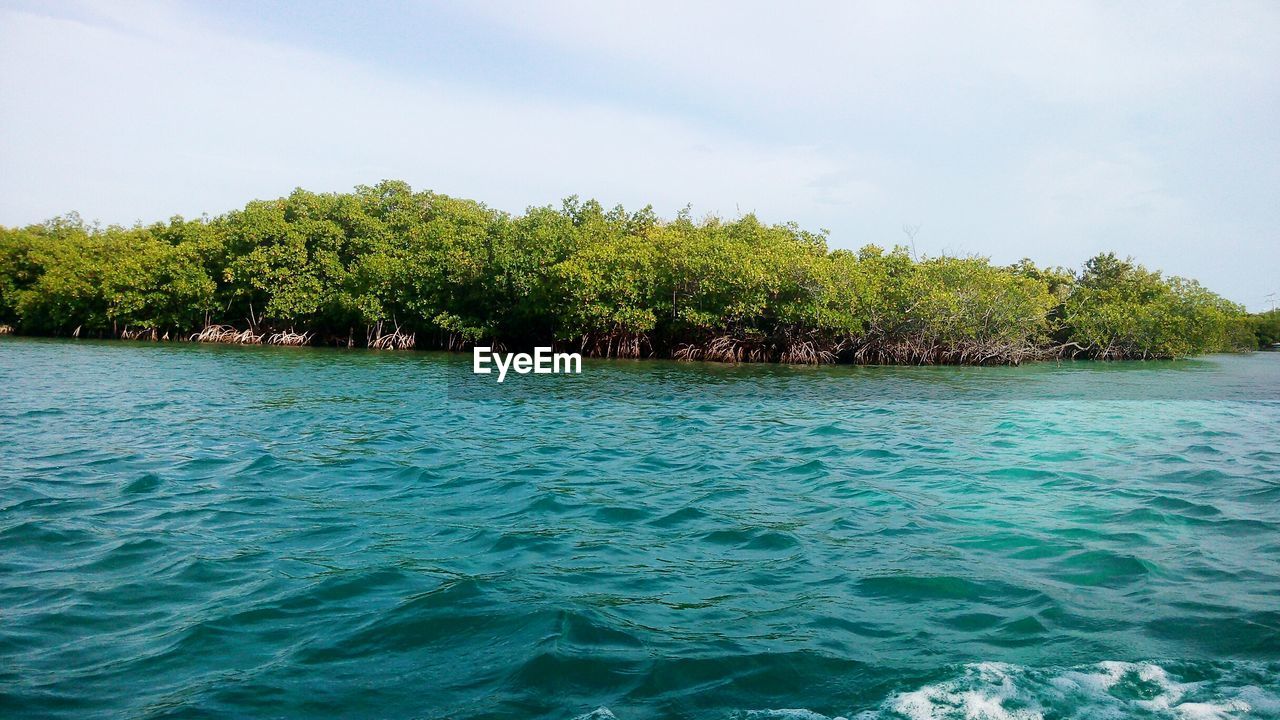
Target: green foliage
x,y
57,276
152,284
1122,310
1265,328
960,301
608,281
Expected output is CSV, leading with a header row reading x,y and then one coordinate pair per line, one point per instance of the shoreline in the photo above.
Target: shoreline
x,y
387,267
457,352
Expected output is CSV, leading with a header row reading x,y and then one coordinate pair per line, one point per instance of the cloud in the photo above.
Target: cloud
x,y
158,115
1005,129
840,55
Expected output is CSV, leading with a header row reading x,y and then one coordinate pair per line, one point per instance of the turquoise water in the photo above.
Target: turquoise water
x,y
242,532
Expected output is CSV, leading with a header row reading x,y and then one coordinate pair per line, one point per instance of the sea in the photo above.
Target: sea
x,y
192,531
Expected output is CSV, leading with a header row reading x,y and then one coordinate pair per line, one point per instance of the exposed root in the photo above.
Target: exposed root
x,y
807,352
735,350
787,345
289,337
921,350
616,345
687,353
727,349
211,333
227,335
757,348
458,342
809,349
395,340
142,334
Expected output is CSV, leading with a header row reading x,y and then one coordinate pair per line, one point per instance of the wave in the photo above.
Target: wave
x,y
998,691
1103,691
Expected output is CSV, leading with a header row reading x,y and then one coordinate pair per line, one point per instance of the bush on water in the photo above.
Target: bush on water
x,y
387,267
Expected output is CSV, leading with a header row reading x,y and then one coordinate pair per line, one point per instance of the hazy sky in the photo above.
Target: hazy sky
x,y
1052,131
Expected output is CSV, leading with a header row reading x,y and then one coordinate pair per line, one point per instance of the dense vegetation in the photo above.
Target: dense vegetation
x,y
387,267
1266,328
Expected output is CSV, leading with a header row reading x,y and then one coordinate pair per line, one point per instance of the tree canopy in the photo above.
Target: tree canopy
x,y
345,268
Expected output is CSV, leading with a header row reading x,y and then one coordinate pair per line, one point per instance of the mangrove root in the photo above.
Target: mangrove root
x,y
289,337
142,334
227,335
395,340
616,345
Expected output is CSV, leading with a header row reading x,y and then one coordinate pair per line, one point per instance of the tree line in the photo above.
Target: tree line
x,y
1266,328
388,267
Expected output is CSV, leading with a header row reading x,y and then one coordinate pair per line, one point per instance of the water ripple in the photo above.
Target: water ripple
x,y
306,533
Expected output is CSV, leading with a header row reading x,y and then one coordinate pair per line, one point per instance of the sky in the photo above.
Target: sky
x,y
1045,130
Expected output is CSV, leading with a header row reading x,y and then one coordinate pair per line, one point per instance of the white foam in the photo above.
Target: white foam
x,y
1212,711
788,714
1102,691
960,698
997,691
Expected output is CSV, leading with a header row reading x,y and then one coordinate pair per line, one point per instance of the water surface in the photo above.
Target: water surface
x,y
192,531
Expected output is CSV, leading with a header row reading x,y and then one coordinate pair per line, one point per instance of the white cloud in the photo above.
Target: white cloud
x,y
159,116
1007,129
836,55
